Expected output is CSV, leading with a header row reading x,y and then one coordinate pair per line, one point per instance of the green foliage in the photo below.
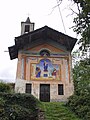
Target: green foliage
x,y
5,87
18,106
80,101
58,111
81,75
82,23
80,105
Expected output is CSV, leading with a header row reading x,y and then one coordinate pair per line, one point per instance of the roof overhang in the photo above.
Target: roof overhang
x,y
40,36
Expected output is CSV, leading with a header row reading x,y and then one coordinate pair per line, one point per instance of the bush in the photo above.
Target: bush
x,y
5,87
80,105
18,107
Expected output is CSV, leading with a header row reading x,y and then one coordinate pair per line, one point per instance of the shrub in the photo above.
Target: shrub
x,y
80,105
5,87
18,106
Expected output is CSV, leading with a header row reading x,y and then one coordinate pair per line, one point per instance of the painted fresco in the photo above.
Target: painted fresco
x,y
45,69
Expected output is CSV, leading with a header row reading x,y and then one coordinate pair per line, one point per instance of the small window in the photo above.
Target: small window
x,y
44,53
60,89
27,28
28,88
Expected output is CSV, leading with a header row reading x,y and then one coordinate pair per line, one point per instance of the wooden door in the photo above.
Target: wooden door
x,y
45,92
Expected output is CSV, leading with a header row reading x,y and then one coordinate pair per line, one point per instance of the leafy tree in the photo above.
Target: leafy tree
x,y
81,75
80,101
82,24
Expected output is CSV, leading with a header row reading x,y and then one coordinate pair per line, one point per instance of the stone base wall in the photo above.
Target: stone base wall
x,y
20,87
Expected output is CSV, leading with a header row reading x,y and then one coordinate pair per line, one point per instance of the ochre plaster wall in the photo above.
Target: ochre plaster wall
x,y
63,61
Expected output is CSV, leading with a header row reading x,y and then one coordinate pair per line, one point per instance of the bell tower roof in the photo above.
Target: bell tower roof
x,y
28,20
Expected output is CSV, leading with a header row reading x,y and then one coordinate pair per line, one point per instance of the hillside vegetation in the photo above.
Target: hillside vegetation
x,y
18,107
58,111
25,107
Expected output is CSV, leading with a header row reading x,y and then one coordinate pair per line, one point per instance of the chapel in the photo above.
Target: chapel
x,y
44,66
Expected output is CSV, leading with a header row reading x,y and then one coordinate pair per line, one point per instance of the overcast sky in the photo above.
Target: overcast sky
x,y
41,12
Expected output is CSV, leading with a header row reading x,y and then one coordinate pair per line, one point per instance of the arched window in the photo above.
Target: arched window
x,y
44,53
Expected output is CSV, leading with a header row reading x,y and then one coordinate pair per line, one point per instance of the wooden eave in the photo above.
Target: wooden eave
x,y
42,35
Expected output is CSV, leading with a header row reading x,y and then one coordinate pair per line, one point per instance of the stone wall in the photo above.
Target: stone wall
x,y
20,87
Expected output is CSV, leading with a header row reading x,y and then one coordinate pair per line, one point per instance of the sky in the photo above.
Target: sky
x,y
41,12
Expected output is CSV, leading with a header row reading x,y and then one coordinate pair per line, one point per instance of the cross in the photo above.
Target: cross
x,y
28,15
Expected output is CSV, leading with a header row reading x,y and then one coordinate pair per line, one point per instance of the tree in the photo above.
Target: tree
x,y
81,74
82,24
80,101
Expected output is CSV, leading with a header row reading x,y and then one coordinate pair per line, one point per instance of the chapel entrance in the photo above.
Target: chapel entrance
x,y
45,92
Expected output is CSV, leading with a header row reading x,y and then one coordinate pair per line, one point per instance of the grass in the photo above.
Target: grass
x,y
58,111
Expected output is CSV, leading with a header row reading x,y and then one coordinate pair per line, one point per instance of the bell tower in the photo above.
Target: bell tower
x,y
26,26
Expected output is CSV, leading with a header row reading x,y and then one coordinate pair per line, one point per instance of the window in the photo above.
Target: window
x,y
44,52
60,89
27,28
28,88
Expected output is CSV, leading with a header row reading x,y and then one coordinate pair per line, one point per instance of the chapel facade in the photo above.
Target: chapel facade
x,y
44,67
